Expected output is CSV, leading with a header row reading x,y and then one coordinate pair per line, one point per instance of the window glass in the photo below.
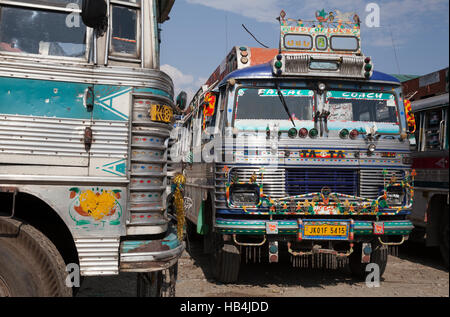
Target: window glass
x,y
298,41
56,3
40,32
362,106
321,42
261,104
124,30
434,130
344,43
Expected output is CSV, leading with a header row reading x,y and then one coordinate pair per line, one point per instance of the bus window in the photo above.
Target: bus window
x,y
32,31
124,39
362,106
433,124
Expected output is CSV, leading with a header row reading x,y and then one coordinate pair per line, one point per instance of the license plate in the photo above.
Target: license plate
x,y
161,113
325,230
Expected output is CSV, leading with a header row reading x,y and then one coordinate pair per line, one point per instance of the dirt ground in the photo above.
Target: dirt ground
x,y
416,272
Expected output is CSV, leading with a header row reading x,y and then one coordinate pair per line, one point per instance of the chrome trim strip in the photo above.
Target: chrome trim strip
x,y
152,256
63,179
22,67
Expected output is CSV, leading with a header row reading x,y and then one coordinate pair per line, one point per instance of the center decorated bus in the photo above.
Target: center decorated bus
x,y
299,152
85,117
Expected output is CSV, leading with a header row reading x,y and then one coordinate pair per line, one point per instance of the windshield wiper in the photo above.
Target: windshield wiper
x,y
283,101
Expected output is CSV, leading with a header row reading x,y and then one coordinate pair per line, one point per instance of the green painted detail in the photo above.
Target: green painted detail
x,y
202,227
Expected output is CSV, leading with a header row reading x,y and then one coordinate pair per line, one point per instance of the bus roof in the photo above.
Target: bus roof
x,y
264,71
431,102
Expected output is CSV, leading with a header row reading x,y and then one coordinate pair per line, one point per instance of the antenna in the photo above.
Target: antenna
x,y
254,37
226,33
395,49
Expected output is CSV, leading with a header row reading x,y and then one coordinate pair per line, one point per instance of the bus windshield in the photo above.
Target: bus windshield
x,y
362,107
265,104
30,31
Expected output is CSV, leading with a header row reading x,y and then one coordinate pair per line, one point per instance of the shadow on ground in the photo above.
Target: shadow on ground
x,y
281,274
417,252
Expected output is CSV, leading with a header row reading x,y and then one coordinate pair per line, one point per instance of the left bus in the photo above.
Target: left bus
x,y
85,116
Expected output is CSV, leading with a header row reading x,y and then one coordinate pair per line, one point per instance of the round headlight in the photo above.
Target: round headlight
x,y
371,149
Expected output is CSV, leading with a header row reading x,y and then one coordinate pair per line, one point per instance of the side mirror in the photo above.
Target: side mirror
x,y
181,101
94,14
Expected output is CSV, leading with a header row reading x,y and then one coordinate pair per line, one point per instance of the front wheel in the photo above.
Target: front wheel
x,y
226,264
444,237
378,256
158,284
30,264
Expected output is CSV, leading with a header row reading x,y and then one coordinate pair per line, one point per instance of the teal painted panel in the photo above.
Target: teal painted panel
x,y
112,103
154,91
115,102
42,98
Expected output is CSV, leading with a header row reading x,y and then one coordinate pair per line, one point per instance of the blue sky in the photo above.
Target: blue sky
x,y
200,33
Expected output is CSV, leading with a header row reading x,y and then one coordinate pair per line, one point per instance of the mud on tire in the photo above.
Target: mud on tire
x,y
30,264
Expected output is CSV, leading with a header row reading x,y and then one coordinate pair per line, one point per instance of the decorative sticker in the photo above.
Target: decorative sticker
x,y
360,95
286,92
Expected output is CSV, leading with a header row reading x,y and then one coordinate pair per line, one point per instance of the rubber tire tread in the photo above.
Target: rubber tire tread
x,y
379,256
228,264
442,228
39,270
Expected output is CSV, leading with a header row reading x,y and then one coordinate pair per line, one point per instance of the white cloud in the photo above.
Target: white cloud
x,y
177,76
183,81
404,18
260,10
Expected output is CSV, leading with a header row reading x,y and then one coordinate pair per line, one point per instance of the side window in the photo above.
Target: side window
x,y
42,30
435,126
197,128
125,26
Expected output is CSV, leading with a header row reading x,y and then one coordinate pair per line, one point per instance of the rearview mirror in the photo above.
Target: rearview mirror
x,y
182,100
94,14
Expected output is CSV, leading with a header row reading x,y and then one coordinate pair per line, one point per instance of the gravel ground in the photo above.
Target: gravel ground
x,y
416,272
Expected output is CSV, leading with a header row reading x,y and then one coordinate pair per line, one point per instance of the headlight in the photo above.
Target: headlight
x,y
395,195
244,195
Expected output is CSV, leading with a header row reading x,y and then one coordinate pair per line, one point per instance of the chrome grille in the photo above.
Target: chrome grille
x,y
304,181
372,181
280,183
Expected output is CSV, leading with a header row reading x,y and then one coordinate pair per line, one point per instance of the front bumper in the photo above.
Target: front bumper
x,y
290,227
151,255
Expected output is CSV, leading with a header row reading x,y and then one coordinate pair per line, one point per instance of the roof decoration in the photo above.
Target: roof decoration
x,y
322,35
332,19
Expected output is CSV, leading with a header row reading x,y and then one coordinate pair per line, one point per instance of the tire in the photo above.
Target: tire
x,y
444,237
227,263
379,256
158,284
30,264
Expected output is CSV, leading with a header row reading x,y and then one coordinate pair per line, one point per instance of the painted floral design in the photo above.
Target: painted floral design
x,y
95,203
